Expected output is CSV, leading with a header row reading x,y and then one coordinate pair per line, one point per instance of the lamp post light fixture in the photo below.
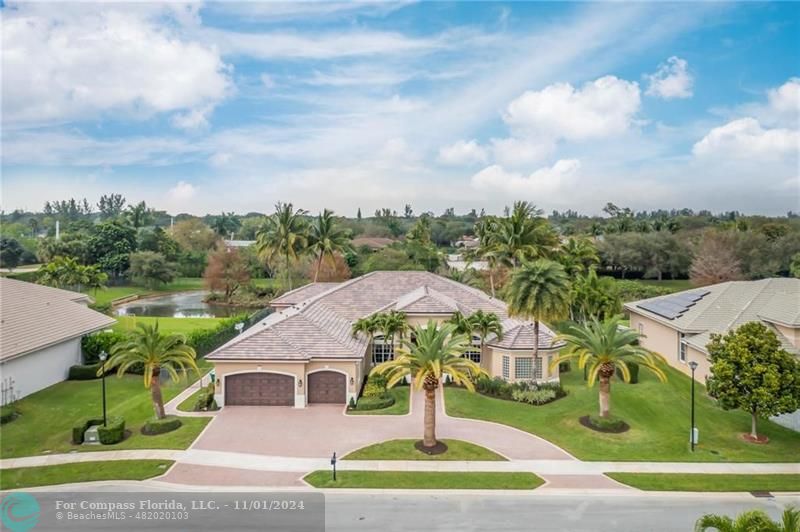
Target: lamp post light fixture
x,y
239,327
103,356
693,431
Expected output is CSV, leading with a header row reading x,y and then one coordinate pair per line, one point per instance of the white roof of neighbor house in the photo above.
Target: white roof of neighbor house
x,y
726,306
320,326
33,316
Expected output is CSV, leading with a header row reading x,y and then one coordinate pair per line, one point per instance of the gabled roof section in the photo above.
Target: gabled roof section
x,y
298,295
425,300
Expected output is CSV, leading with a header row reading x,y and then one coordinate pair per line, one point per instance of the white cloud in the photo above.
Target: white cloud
x,y
463,152
786,98
602,107
267,81
193,119
514,153
181,192
545,180
745,138
671,80
220,159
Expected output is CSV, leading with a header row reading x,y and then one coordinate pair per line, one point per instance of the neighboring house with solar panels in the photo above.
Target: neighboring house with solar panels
x,y
679,326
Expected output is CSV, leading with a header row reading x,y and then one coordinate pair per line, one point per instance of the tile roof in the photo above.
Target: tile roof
x,y
33,316
729,305
320,326
521,337
302,293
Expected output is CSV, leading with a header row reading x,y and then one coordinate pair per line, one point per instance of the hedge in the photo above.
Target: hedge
x,y
113,432
375,402
80,430
7,414
81,372
159,426
95,344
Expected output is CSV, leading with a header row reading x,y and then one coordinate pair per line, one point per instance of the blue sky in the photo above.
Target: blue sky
x,y
208,107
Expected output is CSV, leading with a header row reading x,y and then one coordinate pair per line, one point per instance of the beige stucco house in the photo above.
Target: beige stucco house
x,y
304,352
679,326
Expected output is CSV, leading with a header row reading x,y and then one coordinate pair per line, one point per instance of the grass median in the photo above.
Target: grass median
x,y
424,480
708,482
405,450
29,477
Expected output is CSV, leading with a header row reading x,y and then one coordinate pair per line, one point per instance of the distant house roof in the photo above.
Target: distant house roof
x,y
320,326
372,242
238,243
33,317
725,306
298,295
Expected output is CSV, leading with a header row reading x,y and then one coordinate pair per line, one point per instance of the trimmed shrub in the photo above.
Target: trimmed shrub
x,y
205,400
8,413
160,426
523,392
534,397
79,430
80,372
113,432
378,402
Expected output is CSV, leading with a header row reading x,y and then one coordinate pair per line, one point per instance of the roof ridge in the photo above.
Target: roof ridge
x,y
336,317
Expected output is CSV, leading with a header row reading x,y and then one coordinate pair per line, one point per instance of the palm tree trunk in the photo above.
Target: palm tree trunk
x,y
288,273
753,420
155,394
319,265
491,279
605,396
429,434
536,340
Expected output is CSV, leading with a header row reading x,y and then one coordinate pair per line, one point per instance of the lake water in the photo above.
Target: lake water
x,y
180,305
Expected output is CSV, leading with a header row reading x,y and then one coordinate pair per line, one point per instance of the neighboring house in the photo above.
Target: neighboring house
x,y
230,244
374,243
305,353
679,326
457,262
467,242
40,335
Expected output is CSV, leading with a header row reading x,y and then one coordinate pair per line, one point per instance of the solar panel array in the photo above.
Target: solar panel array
x,y
674,306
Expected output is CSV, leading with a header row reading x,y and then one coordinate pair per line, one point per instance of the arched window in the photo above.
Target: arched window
x,y
474,351
382,350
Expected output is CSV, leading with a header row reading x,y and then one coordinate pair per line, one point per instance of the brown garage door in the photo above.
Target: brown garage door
x,y
256,389
327,387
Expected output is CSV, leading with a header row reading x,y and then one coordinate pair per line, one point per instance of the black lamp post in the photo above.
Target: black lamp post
x,y
103,357
692,366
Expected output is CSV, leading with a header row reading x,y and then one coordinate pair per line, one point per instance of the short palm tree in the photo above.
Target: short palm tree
x,y
325,239
283,235
485,324
461,323
602,348
393,324
539,291
157,352
435,351
751,521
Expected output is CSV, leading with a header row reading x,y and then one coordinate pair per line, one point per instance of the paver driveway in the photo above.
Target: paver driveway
x,y
319,430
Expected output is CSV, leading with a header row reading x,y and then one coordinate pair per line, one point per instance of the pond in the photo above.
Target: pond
x,y
180,305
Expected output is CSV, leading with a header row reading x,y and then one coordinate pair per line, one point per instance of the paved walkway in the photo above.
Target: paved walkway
x,y
171,408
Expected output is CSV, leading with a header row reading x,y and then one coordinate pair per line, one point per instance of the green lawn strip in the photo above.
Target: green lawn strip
x,y
424,480
708,482
29,477
399,408
47,416
405,450
167,325
676,285
657,413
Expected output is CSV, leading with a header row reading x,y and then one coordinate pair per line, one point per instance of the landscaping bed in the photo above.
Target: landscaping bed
x,y
536,394
398,406
405,450
708,482
29,477
424,480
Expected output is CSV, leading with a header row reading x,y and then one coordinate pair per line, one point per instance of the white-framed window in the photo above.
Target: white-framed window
x,y
537,368
523,367
382,350
506,366
474,351
682,348
640,327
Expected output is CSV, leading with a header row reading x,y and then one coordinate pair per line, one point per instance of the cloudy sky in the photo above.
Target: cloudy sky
x,y
208,107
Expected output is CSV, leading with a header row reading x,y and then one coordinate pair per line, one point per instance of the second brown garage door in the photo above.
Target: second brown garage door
x,y
259,389
327,387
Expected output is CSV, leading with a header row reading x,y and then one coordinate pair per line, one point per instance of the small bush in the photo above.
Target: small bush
x,y
520,391
80,372
8,413
384,400
609,424
161,426
113,432
79,430
534,397
205,399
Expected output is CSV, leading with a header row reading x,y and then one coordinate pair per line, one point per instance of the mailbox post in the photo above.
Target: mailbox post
x,y
333,463
693,431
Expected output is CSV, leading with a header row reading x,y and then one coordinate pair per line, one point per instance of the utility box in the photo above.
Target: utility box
x,y
91,437
695,436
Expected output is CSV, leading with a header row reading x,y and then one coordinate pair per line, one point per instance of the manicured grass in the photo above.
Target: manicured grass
x,y
47,417
399,408
29,477
111,293
424,480
657,413
167,324
675,285
405,450
188,404
703,482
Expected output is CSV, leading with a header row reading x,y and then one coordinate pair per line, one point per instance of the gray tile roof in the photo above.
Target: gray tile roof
x,y
729,305
33,316
320,326
521,337
302,293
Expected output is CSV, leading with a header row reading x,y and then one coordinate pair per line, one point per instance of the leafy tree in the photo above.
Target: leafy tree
x,y
594,297
284,236
110,205
151,269
335,269
69,245
193,235
602,348
10,252
226,224
139,215
751,521
68,273
110,247
156,352
325,239
226,272
157,240
752,372
435,351
794,267
389,259
408,212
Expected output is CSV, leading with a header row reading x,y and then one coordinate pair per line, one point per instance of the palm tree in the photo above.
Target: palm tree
x,y
283,235
461,323
539,291
225,224
751,521
392,324
578,256
325,239
368,325
602,348
157,352
524,235
435,351
484,324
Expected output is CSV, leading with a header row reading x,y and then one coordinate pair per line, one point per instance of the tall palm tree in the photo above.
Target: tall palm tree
x,y
157,352
578,256
484,324
488,250
436,351
751,521
524,235
325,239
283,235
539,291
602,348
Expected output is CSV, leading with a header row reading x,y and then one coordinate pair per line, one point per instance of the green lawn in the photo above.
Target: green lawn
x,y
47,417
424,480
29,477
657,413
111,293
167,325
399,408
701,482
405,450
188,404
676,285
